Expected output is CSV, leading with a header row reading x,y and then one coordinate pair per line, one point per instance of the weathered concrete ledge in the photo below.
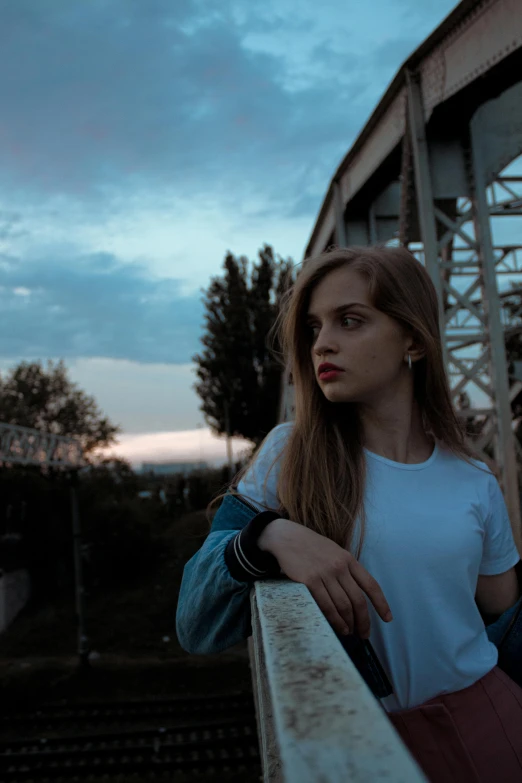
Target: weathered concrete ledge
x,y
318,720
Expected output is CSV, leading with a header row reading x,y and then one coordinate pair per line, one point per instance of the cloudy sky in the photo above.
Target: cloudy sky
x,y
142,139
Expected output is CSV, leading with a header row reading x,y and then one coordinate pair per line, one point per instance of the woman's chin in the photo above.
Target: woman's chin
x,y
338,394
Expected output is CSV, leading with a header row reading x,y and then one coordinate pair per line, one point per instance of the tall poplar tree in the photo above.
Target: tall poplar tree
x,y
239,378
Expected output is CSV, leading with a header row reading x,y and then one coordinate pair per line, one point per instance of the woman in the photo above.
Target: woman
x,y
371,498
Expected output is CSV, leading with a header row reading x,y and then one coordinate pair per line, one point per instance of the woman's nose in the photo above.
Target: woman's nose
x,y
325,344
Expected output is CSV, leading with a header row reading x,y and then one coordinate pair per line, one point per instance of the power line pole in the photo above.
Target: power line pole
x,y
230,459
83,642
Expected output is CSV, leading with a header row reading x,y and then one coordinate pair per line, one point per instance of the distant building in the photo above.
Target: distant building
x,y
172,468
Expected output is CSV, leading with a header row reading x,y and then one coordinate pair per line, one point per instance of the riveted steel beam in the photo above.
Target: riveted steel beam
x,y
424,191
454,207
467,69
340,226
504,446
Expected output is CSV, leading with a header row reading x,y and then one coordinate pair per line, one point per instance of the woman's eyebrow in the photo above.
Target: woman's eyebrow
x,y
340,309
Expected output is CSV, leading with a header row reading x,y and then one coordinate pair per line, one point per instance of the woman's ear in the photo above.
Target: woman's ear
x,y
416,349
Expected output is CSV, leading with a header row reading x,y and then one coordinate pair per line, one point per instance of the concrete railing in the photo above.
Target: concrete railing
x,y
317,719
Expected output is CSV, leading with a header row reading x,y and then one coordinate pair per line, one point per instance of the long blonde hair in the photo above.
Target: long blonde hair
x,y
321,479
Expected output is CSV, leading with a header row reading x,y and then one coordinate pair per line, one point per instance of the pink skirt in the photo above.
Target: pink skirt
x,y
470,736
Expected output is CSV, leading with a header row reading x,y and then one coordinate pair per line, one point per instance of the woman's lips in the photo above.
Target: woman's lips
x,y
329,375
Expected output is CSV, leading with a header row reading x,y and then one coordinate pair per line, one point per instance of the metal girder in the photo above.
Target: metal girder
x,y
505,452
340,225
457,250
441,207
451,190
25,446
508,261
423,188
379,223
487,33
473,39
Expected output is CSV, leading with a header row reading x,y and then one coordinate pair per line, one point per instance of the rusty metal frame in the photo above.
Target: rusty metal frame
x,y
474,37
448,156
504,441
26,446
458,252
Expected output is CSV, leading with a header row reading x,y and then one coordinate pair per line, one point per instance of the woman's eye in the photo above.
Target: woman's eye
x,y
348,318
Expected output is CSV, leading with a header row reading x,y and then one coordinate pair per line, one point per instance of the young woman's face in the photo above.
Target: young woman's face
x,y
367,346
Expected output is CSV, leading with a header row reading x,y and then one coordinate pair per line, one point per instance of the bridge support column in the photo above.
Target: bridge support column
x,y
424,192
340,227
504,444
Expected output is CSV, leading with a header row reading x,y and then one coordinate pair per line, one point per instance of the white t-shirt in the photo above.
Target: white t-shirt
x,y
431,529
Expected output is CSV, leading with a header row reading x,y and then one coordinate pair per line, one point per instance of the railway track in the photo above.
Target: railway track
x,y
91,715
216,735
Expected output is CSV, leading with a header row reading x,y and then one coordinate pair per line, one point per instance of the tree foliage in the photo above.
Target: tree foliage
x,y
47,400
239,375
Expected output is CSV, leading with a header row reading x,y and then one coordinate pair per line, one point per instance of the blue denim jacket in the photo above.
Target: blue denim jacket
x,y
506,634
213,611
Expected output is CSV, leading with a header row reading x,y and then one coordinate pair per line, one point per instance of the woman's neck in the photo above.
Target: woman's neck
x,y
396,432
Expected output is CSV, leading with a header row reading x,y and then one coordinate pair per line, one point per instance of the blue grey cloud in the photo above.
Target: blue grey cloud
x,y
112,95
11,226
129,94
94,306
107,101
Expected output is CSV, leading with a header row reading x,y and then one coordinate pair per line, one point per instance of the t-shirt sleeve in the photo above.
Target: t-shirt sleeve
x,y
499,551
259,484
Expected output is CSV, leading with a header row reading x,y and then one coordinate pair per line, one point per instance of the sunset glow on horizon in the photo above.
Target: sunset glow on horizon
x,y
199,445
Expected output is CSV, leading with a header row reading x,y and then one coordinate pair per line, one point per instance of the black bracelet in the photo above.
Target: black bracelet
x,y
245,561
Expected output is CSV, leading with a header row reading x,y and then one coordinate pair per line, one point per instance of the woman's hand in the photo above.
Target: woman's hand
x,y
335,579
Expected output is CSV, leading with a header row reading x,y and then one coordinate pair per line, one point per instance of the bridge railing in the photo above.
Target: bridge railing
x,y
317,719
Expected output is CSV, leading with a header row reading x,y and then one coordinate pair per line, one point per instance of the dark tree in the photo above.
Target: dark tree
x,y
47,400
239,377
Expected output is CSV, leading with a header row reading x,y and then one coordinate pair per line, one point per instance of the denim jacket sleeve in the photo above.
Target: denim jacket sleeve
x,y
213,611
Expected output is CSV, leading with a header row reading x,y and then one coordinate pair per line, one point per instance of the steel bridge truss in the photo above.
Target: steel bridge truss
x,y
429,171
453,199
445,206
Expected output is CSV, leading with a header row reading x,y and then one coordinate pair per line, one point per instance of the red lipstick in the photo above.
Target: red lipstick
x,y
328,371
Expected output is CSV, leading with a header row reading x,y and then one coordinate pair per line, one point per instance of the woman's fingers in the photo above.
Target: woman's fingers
x,y
338,583
372,589
342,599
351,605
342,623
346,590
